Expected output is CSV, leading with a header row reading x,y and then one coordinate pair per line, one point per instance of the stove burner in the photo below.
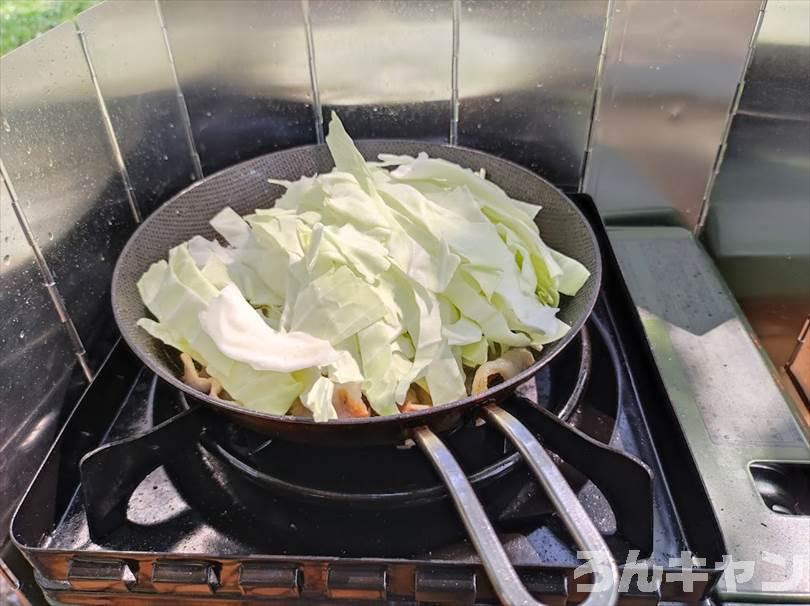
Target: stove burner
x,y
328,500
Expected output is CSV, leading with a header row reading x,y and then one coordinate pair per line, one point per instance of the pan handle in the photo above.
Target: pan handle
x,y
502,574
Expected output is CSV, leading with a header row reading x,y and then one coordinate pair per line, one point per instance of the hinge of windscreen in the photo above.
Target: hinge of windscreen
x,y
102,575
357,582
270,580
177,576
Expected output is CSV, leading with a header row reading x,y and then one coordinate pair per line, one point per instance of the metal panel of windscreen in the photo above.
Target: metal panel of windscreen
x,y
244,71
777,81
132,65
670,74
57,154
527,71
35,366
758,223
384,67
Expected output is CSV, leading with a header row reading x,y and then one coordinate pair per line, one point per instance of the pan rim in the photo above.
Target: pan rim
x,y
491,395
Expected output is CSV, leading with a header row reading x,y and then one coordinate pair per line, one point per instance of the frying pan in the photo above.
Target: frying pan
x,y
244,187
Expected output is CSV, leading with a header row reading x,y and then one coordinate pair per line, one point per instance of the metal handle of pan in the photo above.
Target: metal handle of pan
x,y
504,578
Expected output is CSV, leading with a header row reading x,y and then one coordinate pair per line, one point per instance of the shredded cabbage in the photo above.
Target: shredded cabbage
x,y
362,276
240,333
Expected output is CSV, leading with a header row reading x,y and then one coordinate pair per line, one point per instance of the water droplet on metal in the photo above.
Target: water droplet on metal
x,y
6,126
50,235
7,259
22,334
208,114
165,157
497,99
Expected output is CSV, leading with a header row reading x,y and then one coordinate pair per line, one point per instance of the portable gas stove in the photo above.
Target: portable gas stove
x,y
177,505
664,415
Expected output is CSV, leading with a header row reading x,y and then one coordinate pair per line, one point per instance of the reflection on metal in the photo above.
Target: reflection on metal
x,y
105,117
758,217
7,232
735,104
125,49
56,154
243,69
181,99
669,78
384,67
317,111
527,71
36,362
780,60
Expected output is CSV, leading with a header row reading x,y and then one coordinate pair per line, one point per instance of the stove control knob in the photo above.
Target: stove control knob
x,y
176,576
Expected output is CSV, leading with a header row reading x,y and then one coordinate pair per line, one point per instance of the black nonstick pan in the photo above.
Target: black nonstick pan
x,y
244,187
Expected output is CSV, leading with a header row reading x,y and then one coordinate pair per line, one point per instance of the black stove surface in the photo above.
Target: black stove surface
x,y
234,515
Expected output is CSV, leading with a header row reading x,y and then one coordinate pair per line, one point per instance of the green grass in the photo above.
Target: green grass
x,y
22,20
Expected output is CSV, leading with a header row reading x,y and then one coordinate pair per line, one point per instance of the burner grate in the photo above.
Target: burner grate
x,y
214,480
